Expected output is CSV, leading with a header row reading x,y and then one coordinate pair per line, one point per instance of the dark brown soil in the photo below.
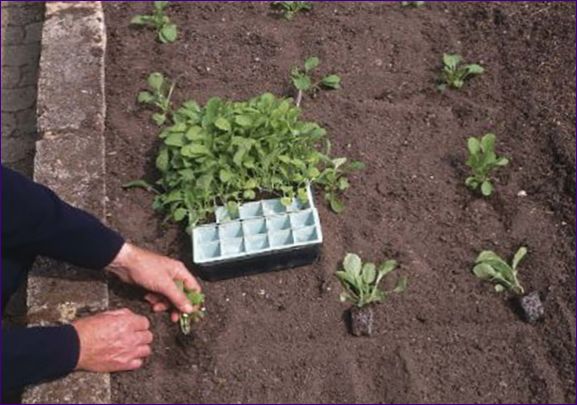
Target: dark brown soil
x,y
282,337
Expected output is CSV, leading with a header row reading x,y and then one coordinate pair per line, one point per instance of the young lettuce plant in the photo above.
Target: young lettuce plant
x,y
454,74
490,267
482,161
291,8
304,83
197,301
158,95
167,31
361,287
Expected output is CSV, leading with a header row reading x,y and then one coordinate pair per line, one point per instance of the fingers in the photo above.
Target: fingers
x,y
157,302
135,364
144,338
174,316
177,297
190,283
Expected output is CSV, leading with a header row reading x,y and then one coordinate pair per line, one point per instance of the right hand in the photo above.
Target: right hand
x,y
113,341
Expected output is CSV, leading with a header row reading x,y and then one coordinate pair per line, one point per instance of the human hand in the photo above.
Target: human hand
x,y
113,341
157,274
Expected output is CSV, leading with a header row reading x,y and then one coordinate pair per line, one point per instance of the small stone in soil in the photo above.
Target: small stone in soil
x,y
362,321
532,307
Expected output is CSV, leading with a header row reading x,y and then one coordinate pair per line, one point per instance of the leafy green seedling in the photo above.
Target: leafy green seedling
x,y
158,95
167,31
304,83
334,181
361,281
197,301
482,161
291,8
490,267
414,4
454,74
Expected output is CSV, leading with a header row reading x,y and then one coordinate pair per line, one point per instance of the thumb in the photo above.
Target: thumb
x,y
176,296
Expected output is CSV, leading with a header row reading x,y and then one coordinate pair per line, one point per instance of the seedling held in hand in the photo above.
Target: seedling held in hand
x,y
291,8
197,301
361,284
482,161
167,31
158,95
304,83
414,4
454,74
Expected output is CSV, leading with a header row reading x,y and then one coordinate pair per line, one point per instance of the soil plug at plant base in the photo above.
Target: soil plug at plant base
x,y
167,31
361,284
454,74
197,301
304,83
489,266
482,161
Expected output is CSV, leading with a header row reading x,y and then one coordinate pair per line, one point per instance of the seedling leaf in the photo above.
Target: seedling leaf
x,y
311,63
352,264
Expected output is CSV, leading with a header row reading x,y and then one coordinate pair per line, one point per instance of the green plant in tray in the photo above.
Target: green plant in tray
x,y
167,31
227,152
304,83
197,301
291,8
454,73
483,160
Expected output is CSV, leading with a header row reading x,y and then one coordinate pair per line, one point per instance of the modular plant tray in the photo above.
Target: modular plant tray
x,y
264,236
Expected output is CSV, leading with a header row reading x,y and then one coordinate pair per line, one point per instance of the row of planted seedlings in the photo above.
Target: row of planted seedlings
x,y
240,176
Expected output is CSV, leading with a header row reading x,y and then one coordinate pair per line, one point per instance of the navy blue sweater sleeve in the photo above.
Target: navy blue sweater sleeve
x,y
31,355
36,222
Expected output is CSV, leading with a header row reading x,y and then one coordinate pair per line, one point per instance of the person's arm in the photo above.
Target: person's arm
x,y
36,222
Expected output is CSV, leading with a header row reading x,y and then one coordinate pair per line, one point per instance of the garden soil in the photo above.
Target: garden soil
x,y
282,337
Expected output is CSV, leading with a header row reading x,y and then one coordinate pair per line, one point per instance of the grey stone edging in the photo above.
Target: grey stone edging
x,y
70,160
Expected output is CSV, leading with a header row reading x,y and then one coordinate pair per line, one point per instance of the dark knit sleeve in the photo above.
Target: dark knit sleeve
x,y
32,355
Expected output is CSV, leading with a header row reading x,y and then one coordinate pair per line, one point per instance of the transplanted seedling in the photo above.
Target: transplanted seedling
x,y
291,8
361,284
167,31
490,267
454,73
158,95
197,300
414,4
304,83
483,161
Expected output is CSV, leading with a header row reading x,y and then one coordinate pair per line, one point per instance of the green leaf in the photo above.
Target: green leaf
x,y
518,257
472,182
352,264
249,195
175,139
475,69
474,146
156,81
385,268
145,97
243,120
140,20
222,123
336,205
160,5
502,161
339,162
162,160
194,150
484,271
225,175
159,119
401,285
499,288
179,214
356,165
451,60
486,188
369,273
311,63
488,142
140,184
332,82
302,82
168,33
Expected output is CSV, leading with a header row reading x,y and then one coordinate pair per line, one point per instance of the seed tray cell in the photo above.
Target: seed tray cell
x,y
264,236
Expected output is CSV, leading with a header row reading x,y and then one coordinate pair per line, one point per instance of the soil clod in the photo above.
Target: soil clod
x,y
362,320
532,307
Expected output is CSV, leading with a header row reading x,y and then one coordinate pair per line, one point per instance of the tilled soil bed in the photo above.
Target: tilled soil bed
x,y
282,337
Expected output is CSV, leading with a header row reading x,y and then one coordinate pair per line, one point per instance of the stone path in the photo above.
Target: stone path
x,y
21,35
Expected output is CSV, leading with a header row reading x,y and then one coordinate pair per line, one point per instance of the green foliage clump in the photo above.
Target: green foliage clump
x,y
483,160
291,8
167,31
490,267
158,95
225,152
361,281
303,82
196,299
454,74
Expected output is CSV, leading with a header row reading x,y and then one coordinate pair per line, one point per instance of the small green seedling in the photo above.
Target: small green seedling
x,y
490,267
197,300
334,181
482,161
454,74
167,31
291,8
361,281
303,82
414,4
158,95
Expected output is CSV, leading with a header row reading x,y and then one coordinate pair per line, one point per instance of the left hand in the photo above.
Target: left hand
x,y
157,274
